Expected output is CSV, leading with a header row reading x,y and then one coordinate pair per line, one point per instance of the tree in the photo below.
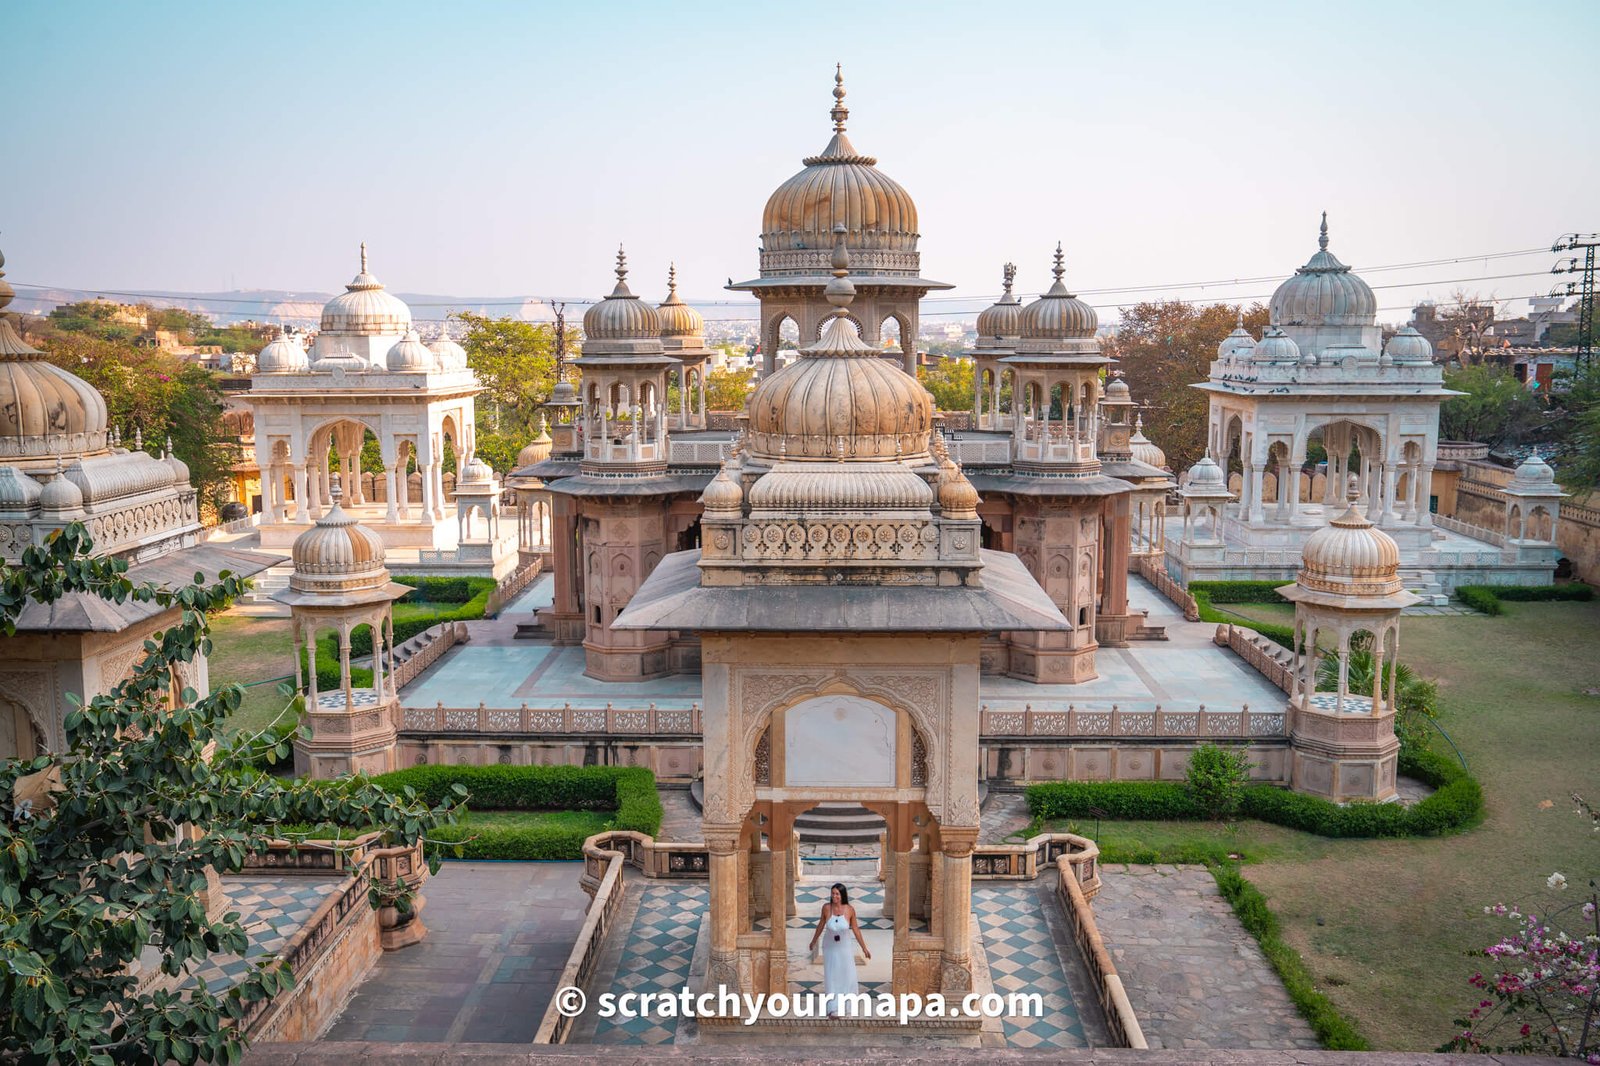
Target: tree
x,y
1575,400
163,396
515,362
1163,348
98,865
1497,409
1215,779
727,388
950,381
1464,323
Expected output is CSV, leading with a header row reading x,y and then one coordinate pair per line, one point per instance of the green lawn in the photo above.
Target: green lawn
x,y
589,822
247,649
1386,926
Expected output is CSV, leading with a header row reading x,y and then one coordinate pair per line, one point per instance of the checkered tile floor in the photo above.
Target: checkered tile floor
x,y
1021,955
272,910
1022,958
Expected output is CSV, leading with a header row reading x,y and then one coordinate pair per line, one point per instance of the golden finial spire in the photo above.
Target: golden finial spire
x,y
839,112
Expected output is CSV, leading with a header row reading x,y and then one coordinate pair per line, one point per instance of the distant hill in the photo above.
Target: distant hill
x,y
305,308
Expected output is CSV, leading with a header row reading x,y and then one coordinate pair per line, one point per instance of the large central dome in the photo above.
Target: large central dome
x,y
839,187
1324,292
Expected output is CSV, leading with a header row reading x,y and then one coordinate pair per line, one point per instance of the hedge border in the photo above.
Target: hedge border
x,y
1486,599
630,790
1209,593
1456,804
1251,907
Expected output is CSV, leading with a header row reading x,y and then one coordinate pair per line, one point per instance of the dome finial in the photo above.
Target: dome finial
x,y
839,112
1010,274
363,257
1238,323
622,264
672,280
1322,241
1060,268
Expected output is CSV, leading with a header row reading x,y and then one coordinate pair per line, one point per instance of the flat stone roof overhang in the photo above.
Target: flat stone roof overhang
x,y
654,485
1026,485
673,598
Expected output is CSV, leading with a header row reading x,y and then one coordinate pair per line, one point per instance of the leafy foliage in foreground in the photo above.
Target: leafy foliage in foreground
x,y
99,861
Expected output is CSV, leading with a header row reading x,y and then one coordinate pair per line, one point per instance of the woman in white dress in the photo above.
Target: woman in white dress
x,y
839,933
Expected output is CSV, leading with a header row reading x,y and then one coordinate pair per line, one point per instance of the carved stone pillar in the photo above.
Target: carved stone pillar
x,y
722,970
955,978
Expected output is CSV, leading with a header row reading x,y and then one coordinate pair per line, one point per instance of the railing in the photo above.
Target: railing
x,y
434,643
1269,659
698,452
1577,512
1152,571
1455,525
1026,861
565,719
1456,451
1289,557
237,525
969,452
1120,1019
511,586
651,857
1157,721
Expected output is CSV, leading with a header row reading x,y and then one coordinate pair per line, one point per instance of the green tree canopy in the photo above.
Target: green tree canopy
x,y
97,868
1164,347
728,387
950,381
1497,409
515,362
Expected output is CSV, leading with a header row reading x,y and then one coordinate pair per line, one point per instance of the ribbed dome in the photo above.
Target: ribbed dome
x,y
1144,450
1057,314
1532,475
1276,347
678,319
839,186
723,495
450,355
59,496
18,491
283,356
1117,391
1204,476
957,497
45,412
873,487
1238,344
1323,293
410,356
536,450
1352,557
364,308
622,316
1409,346
349,362
1002,320
337,555
476,472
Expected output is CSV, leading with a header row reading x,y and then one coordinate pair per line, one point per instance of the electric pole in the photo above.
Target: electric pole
x,y
1585,244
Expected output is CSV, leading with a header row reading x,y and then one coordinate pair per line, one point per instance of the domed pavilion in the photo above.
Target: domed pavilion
x,y
841,591
840,186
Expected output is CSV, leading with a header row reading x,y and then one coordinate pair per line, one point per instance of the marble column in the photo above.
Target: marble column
x,y
1253,483
722,969
302,497
393,505
955,977
427,493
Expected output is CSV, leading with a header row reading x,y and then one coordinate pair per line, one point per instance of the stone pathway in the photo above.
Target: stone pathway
x,y
1195,977
1003,814
499,934
680,818
272,910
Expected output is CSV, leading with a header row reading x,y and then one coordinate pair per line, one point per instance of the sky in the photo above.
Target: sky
x,y
498,149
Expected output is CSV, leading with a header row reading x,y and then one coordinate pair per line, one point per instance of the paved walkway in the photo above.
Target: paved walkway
x,y
272,910
499,934
1195,977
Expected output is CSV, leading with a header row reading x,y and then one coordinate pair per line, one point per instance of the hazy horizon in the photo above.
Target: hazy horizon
x,y
505,150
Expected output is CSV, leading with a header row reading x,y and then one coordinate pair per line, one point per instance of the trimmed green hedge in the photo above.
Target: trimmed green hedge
x,y
630,790
1456,803
1332,1028
1487,598
1207,593
447,589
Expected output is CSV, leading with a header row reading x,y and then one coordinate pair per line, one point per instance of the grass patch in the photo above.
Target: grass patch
x,y
247,649
1335,1031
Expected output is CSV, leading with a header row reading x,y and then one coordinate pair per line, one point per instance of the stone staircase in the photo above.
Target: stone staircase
x,y
839,823
273,579
1425,583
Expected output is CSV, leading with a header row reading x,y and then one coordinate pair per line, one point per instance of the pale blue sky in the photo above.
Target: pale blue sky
x,y
505,148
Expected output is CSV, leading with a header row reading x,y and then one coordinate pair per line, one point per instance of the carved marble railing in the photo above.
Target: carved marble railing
x,y
969,452
1120,1019
1151,570
564,719
651,857
698,452
431,644
1456,451
511,586
1269,659
1026,861
1286,557
1158,721
1466,529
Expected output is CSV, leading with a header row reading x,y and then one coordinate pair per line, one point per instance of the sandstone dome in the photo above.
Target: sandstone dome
x,y
337,555
1350,556
365,308
1057,315
621,316
677,318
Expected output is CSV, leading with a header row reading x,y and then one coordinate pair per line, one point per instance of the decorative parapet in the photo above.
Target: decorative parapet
x,y
431,644
967,452
1026,861
1120,1019
1152,571
567,719
512,586
1455,525
1158,721
706,453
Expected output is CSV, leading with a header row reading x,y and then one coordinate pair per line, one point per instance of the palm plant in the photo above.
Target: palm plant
x,y
1415,697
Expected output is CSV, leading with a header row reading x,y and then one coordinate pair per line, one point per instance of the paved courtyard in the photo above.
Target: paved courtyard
x,y
1182,672
1195,978
499,934
273,910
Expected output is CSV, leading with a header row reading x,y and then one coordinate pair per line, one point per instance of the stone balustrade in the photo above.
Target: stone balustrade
x,y
969,452
1269,659
707,453
1155,721
1026,861
430,645
1466,529
511,586
645,721
1151,570
1120,1018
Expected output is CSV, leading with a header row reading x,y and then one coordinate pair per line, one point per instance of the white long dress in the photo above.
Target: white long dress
x,y
838,960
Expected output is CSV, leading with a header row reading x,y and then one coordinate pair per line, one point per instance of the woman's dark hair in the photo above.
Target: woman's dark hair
x,y
844,893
